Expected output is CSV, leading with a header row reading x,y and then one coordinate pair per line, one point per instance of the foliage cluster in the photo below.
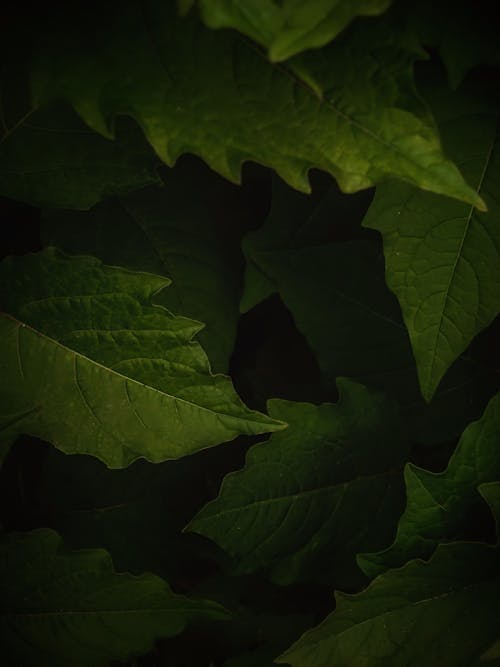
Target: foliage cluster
x,y
250,287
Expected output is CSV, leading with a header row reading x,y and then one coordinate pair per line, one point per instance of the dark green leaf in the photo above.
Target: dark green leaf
x,y
60,609
309,498
291,26
296,221
443,257
463,33
49,157
185,231
265,619
213,94
128,512
337,295
440,612
92,366
438,504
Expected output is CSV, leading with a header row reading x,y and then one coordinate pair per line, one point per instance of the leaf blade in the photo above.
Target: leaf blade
x,y
181,231
51,158
98,354
71,608
445,600
438,502
443,259
292,27
162,91
286,510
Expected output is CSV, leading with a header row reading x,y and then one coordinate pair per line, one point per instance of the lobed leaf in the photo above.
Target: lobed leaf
x,y
438,503
309,498
463,33
350,110
60,608
92,366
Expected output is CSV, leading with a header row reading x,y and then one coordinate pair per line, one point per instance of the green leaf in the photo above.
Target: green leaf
x,y
337,295
329,272
92,366
178,231
444,611
264,620
49,157
309,498
289,27
63,608
438,503
296,221
443,257
128,512
212,94
463,33
136,513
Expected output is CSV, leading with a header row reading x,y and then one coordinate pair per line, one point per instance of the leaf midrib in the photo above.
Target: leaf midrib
x,y
293,496
291,74
124,377
408,603
459,254
329,103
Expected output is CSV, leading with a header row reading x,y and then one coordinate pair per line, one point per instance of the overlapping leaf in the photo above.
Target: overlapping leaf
x,y
128,512
437,504
442,257
348,112
174,231
60,609
90,365
297,221
289,27
440,612
50,157
264,619
462,33
309,498
330,274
